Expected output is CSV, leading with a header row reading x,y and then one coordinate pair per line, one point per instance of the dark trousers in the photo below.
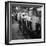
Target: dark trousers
x,y
19,24
29,24
37,27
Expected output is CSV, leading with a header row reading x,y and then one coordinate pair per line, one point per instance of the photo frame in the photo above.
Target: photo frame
x,y
10,35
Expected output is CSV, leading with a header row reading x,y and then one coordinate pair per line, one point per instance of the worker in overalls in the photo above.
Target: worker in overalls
x,y
35,22
35,19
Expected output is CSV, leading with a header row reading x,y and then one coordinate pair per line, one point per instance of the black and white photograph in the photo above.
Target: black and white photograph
x,y
24,22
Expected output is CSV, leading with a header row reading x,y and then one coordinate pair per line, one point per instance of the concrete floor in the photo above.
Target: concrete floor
x,y
16,33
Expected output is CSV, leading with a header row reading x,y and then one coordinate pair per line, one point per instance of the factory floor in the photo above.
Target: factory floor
x,y
18,34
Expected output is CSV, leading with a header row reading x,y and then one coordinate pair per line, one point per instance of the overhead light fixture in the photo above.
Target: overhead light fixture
x,y
16,8
30,8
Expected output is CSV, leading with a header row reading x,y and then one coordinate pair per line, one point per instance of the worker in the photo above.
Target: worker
x,y
35,19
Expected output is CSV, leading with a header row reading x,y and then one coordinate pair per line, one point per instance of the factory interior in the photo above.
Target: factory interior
x,y
25,21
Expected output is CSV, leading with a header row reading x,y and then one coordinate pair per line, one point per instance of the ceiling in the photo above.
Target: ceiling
x,y
27,5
